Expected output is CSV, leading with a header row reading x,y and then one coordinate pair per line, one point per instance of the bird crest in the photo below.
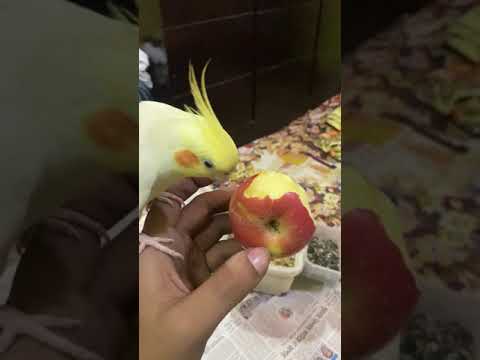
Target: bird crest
x,y
200,97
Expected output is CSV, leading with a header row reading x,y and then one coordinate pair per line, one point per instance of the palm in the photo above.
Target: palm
x,y
195,231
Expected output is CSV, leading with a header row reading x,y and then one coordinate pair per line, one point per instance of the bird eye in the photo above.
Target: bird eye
x,y
208,164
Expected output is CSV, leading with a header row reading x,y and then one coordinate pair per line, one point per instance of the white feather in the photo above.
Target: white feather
x,y
68,62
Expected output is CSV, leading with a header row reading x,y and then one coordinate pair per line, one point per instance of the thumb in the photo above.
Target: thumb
x,y
211,302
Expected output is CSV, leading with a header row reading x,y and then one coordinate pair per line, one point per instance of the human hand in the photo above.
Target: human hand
x,y
182,301
65,273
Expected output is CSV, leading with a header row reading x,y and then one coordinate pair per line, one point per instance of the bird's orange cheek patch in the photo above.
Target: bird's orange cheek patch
x,y
186,158
112,129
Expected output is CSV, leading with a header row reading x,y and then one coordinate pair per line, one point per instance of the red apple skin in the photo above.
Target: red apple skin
x,y
250,217
379,292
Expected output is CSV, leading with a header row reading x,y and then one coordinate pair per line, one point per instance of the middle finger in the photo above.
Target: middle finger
x,y
198,213
209,236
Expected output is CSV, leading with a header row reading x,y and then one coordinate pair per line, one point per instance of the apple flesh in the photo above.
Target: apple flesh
x,y
271,210
379,290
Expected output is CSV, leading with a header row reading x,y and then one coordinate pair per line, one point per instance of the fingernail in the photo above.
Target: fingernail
x,y
259,258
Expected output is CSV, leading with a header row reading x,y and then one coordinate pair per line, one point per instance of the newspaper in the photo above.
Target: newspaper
x,y
303,324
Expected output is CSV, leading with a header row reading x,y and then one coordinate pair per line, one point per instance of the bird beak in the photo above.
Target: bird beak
x,y
220,178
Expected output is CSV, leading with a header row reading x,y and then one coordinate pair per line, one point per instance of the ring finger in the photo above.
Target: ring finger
x,y
209,236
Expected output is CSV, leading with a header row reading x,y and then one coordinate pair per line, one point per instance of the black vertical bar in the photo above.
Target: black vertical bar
x,y
316,46
254,60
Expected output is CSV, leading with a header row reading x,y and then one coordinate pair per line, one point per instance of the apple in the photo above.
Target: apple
x,y
271,210
379,289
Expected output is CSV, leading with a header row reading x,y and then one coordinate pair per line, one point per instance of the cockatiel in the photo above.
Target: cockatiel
x,y
174,144
66,82
69,77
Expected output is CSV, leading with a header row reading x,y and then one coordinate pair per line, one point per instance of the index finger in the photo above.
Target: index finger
x,y
189,186
162,214
197,214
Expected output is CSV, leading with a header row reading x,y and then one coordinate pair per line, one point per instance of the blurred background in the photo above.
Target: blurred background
x,y
272,60
410,126
364,19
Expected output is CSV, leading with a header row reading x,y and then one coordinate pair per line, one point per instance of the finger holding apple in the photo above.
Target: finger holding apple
x,y
271,210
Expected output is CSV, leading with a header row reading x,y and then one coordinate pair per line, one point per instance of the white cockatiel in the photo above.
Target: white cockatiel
x,y
66,77
174,144
69,75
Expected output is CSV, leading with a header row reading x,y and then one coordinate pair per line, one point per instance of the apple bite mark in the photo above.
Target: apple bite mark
x,y
281,224
274,185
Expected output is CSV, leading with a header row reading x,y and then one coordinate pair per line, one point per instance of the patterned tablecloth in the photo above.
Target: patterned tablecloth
x,y
415,102
308,150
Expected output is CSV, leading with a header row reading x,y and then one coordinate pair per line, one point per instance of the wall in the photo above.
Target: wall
x,y
267,65
150,15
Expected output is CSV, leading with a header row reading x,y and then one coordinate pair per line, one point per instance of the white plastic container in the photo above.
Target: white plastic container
x,y
279,279
321,273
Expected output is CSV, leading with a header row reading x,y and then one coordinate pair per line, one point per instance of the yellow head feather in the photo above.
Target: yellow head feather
x,y
200,97
205,136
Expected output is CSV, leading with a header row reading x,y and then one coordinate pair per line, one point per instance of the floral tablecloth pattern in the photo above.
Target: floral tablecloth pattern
x,y
415,142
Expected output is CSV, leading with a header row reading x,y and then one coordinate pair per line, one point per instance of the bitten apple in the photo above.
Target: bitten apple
x,y
379,290
271,210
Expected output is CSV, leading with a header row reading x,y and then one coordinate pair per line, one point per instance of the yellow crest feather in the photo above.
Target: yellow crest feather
x,y
200,97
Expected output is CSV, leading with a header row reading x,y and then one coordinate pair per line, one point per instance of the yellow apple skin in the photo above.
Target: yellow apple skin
x,y
271,210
